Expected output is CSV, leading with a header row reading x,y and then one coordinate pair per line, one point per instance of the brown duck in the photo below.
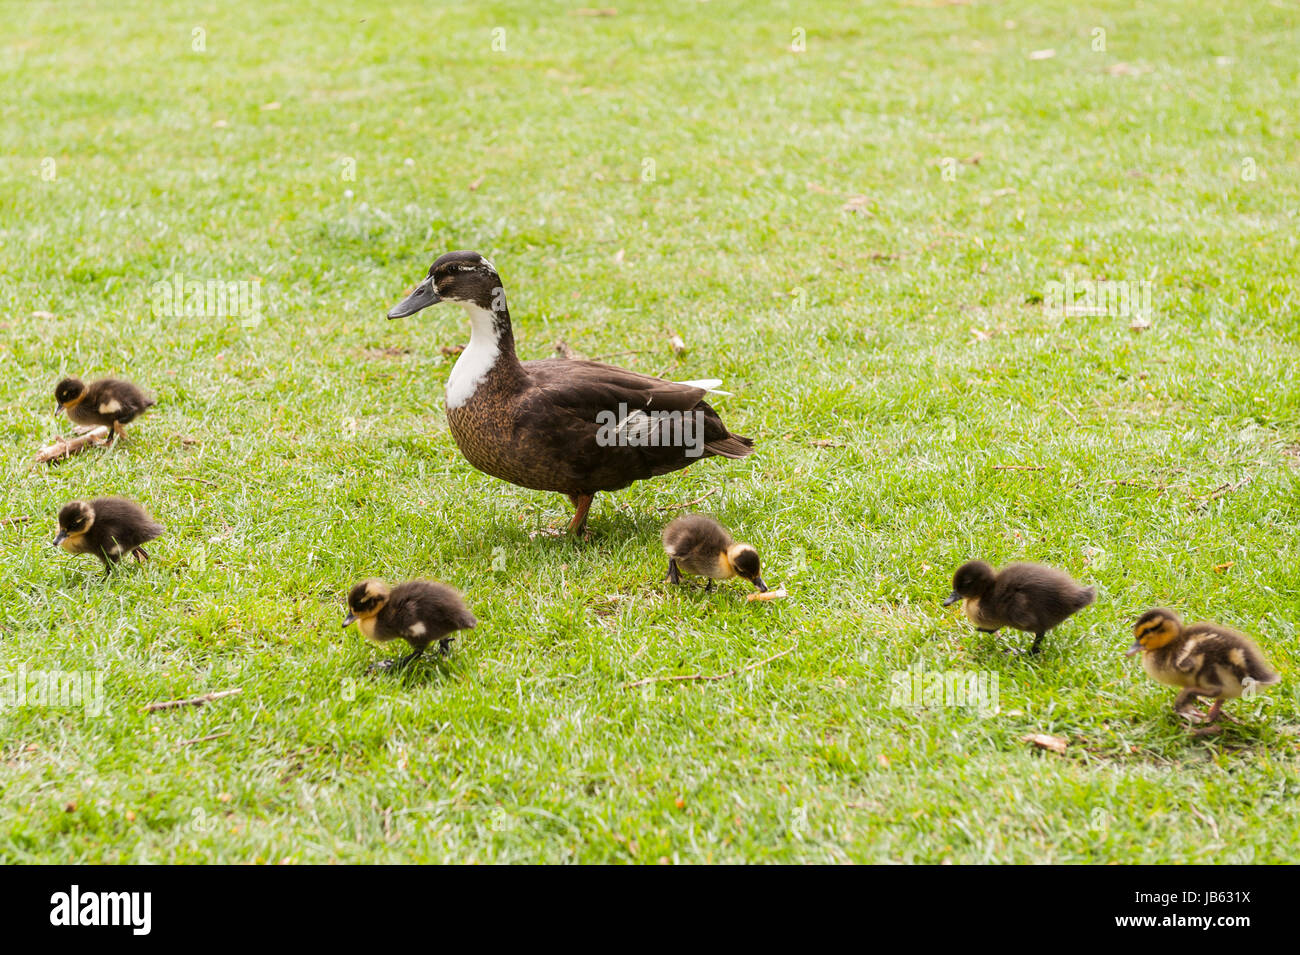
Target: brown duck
x,y
566,425
111,402
1029,597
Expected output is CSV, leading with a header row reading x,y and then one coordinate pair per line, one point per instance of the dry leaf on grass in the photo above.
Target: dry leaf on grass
x,y
1056,744
1042,54
778,594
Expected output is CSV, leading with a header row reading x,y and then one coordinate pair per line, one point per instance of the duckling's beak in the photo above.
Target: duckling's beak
x,y
349,620
60,537
59,408
1136,648
952,599
425,294
758,582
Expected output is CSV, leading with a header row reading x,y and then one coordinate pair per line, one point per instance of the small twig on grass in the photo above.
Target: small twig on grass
x,y
1019,467
19,519
702,677
185,477
1223,490
1069,414
196,701
202,739
62,447
678,507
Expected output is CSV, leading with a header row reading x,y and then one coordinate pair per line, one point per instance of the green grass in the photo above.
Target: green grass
x,y
294,457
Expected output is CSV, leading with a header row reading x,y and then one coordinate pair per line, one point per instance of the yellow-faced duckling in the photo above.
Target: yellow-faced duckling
x,y
558,424
111,402
420,612
700,545
107,527
1204,659
1029,597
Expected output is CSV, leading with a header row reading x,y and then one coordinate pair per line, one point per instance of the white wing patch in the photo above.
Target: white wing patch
x,y
416,629
110,407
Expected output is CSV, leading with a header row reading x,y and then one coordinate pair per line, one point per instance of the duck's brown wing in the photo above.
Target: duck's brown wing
x,y
592,391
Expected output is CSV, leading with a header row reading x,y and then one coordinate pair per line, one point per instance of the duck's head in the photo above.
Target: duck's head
x,y
973,579
465,278
366,600
74,520
68,392
1154,629
743,559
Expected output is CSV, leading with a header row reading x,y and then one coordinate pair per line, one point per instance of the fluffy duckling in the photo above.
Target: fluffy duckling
x,y
1205,659
1029,597
419,611
107,527
110,401
700,545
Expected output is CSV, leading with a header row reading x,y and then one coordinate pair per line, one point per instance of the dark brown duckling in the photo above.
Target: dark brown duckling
x,y
700,545
418,611
111,402
107,527
1204,659
557,424
1029,597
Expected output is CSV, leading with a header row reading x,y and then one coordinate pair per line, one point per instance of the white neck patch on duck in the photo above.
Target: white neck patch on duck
x,y
477,359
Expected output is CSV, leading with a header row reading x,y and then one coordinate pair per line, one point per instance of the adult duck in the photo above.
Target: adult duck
x,y
556,424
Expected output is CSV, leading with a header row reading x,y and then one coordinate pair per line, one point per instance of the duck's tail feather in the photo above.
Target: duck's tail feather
x,y
1086,596
708,384
732,446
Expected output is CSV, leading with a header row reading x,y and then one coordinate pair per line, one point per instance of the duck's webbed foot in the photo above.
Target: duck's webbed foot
x,y
1038,642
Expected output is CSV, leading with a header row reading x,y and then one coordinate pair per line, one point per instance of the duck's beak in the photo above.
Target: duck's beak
x,y
60,537
1136,648
349,620
758,582
952,599
425,294
59,408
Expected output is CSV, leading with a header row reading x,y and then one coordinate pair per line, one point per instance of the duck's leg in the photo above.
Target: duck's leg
x,y
444,646
1038,642
674,575
1185,705
140,555
578,526
708,588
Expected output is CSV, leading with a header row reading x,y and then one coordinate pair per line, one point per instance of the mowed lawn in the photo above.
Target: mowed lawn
x,y
860,237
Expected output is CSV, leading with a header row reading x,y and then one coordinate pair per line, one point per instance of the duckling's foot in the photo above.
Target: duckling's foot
x,y
674,575
1038,642
1207,730
444,647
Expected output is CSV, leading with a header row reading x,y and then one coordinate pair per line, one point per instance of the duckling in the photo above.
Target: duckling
x,y
1205,659
110,401
1029,597
107,527
700,545
419,611
560,424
